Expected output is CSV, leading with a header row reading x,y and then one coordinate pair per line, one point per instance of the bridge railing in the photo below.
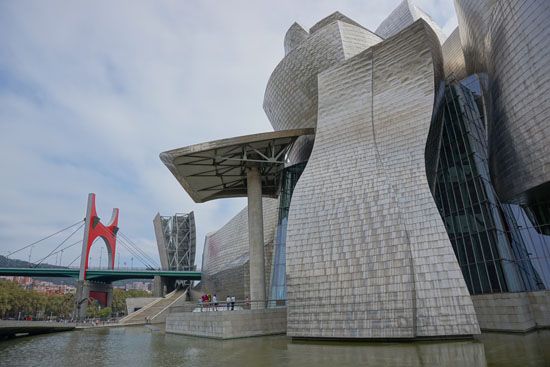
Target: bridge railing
x,y
123,268
198,306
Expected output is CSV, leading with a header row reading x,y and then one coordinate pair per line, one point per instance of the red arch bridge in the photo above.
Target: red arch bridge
x,y
97,283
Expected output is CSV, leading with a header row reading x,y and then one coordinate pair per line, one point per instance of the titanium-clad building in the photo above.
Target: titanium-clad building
x,y
226,262
363,227
509,42
419,202
405,14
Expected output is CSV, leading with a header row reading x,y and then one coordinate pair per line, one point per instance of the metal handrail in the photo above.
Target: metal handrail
x,y
237,305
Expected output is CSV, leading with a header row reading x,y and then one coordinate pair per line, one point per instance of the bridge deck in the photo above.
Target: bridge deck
x,y
100,275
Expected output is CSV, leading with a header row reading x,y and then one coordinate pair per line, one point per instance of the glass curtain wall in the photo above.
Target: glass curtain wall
x,y
491,252
278,280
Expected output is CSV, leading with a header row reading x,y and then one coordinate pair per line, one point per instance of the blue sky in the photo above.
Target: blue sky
x,y
92,92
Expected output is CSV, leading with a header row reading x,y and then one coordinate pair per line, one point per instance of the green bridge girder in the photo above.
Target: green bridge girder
x,y
106,276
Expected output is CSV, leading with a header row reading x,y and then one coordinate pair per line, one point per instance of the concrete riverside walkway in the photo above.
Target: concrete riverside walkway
x,y
228,324
12,328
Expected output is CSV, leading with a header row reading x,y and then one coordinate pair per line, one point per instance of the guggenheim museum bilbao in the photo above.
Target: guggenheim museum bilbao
x,y
405,189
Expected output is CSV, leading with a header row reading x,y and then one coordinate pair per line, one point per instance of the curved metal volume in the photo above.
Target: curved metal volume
x,y
510,41
363,228
225,262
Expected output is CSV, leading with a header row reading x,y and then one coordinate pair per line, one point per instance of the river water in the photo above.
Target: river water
x,y
150,346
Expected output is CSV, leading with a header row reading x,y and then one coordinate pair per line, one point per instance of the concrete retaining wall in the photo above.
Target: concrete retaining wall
x,y
515,312
136,303
228,324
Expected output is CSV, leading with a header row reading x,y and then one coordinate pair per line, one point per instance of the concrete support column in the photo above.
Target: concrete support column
x,y
256,237
158,286
83,290
81,300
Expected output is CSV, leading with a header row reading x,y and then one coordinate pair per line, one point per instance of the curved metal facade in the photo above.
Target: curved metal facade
x,y
290,99
510,41
225,262
403,16
363,228
294,36
453,58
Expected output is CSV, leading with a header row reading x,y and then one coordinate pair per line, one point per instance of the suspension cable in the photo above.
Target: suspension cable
x,y
132,251
64,248
138,249
45,238
143,260
137,255
143,253
58,246
71,263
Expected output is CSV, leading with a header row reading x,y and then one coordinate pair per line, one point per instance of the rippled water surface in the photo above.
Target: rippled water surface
x,y
141,346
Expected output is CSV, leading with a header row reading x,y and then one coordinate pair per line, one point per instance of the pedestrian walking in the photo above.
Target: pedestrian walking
x,y
228,302
232,303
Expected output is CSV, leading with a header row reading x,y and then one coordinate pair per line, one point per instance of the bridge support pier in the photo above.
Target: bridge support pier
x,y
158,286
163,285
87,291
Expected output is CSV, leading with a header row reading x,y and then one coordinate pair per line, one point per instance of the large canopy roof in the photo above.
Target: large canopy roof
x,y
217,169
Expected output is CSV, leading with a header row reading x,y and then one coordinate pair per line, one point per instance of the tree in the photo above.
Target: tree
x,y
105,312
93,309
119,298
7,292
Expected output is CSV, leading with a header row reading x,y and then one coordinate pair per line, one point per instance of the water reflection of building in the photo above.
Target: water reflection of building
x,y
449,354
424,186
505,349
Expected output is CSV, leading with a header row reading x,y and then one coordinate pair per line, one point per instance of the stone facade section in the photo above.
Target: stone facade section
x,y
364,231
225,266
228,324
135,303
513,312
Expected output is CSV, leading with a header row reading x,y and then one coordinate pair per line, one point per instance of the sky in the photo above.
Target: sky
x,y
92,91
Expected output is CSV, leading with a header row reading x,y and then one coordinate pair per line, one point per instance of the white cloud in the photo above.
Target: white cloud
x,y
92,92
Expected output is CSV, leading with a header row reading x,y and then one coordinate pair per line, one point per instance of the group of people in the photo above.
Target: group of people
x,y
209,300
230,302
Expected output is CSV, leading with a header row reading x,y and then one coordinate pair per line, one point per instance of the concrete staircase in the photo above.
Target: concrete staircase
x,y
156,311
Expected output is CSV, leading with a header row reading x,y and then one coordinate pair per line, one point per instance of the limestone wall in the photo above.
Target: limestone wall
x,y
228,324
136,303
517,312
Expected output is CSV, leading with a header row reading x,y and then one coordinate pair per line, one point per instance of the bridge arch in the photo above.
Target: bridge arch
x,y
93,230
97,251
